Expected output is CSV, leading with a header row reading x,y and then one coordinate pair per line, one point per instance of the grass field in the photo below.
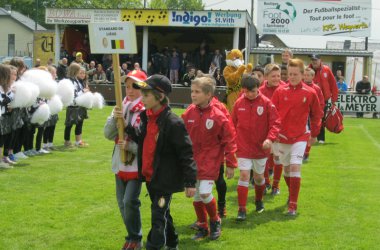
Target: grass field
x,y
66,200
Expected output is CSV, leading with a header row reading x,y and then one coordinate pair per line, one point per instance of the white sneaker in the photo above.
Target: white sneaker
x,y
321,142
43,151
5,165
21,155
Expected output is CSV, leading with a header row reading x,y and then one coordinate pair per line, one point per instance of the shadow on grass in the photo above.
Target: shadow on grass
x,y
21,164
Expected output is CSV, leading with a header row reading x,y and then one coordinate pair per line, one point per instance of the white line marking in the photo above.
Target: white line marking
x,y
370,137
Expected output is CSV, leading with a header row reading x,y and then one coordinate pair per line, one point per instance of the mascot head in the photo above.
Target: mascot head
x,y
234,58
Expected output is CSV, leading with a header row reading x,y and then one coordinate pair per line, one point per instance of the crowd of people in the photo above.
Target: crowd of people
x,y
19,122
179,67
194,153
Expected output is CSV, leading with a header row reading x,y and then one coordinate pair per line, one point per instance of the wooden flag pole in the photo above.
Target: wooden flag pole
x,y
118,98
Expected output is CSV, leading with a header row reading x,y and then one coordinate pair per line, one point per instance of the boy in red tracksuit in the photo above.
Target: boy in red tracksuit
x,y
272,73
213,138
257,126
296,103
308,79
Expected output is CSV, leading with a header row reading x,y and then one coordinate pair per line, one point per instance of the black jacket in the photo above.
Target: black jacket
x,y
173,167
360,86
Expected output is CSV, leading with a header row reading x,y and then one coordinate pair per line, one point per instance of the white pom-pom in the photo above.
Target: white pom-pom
x,y
98,101
43,80
55,105
65,91
41,115
85,100
26,94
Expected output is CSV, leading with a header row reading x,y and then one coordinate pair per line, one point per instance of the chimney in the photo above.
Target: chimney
x,y
8,8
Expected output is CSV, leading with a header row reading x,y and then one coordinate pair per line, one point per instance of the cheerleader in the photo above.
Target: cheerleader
x,y
5,125
18,117
51,123
74,113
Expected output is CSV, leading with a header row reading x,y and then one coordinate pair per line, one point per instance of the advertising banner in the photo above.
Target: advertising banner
x,y
113,38
81,16
44,46
312,17
207,18
146,17
351,102
212,18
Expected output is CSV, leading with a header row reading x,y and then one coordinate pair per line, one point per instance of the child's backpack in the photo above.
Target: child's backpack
x,y
334,120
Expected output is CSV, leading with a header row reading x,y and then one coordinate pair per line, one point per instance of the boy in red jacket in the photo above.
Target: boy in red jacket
x,y
308,79
257,126
296,103
213,137
272,73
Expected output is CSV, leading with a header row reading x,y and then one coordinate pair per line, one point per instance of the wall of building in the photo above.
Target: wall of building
x,y
23,37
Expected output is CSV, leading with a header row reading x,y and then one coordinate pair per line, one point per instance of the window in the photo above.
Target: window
x,y
11,44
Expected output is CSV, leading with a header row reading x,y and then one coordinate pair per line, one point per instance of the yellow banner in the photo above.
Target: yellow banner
x,y
146,17
44,46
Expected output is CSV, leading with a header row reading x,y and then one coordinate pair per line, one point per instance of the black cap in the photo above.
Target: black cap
x,y
315,57
158,82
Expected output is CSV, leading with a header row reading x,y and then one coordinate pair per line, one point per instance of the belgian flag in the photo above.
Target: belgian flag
x,y
117,44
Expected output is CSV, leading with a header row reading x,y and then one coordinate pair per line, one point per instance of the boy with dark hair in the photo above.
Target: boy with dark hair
x,y
213,138
257,126
165,159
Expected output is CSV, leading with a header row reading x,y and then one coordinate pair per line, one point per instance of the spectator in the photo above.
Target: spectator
x,y
136,66
62,69
174,67
49,62
363,87
38,63
212,69
79,60
124,68
91,71
338,75
202,61
217,58
99,76
286,55
107,61
325,79
341,84
188,77
219,78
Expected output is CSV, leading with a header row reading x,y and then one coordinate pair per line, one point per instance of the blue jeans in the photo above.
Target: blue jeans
x,y
127,195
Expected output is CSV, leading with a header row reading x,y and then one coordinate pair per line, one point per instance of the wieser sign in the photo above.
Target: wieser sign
x,y
309,17
112,38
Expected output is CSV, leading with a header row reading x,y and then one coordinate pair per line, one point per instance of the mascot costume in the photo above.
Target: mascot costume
x,y
233,73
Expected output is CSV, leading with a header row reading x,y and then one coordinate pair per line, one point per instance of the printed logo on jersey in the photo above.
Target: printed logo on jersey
x,y
325,75
161,202
241,109
260,110
209,123
190,121
304,99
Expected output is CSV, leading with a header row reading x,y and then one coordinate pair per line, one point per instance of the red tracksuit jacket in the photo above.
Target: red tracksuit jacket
x,y
268,91
295,104
318,90
213,137
325,79
255,121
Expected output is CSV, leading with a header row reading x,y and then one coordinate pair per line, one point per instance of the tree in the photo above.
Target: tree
x,y
177,4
